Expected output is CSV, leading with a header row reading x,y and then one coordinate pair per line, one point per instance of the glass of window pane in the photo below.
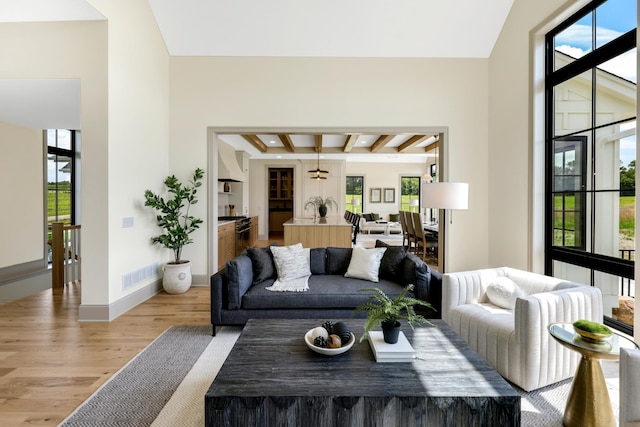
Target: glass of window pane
x,y
615,157
572,104
574,42
569,220
569,163
613,19
616,89
59,189
617,296
572,273
614,224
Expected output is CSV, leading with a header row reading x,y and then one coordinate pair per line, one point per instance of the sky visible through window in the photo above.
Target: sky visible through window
x,y
613,18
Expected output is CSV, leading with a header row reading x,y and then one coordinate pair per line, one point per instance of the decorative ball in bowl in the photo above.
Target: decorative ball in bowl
x,y
328,351
591,331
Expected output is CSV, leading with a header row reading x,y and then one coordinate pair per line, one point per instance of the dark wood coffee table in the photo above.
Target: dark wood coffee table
x,y
271,378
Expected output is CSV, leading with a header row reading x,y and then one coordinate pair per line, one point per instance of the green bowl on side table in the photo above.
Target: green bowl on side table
x,y
592,331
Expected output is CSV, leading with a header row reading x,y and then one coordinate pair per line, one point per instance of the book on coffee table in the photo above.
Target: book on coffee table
x,y
402,351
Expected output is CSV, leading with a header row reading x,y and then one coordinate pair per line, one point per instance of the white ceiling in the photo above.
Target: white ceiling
x,y
330,28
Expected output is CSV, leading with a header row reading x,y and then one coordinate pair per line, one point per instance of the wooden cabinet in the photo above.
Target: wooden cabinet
x,y
276,219
226,243
280,184
253,233
280,198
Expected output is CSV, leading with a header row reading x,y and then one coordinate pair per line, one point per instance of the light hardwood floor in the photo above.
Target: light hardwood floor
x,y
50,363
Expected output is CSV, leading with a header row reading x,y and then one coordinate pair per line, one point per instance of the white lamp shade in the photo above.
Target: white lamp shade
x,y
446,195
355,202
414,202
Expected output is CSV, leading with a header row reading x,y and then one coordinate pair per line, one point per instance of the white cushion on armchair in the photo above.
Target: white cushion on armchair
x,y
516,342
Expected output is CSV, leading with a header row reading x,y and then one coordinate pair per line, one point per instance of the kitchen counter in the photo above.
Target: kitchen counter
x,y
225,222
318,233
323,222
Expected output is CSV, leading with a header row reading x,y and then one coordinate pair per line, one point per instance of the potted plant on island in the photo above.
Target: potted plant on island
x,y
322,205
173,217
387,312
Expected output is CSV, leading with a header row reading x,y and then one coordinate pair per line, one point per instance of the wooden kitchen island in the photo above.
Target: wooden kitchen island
x,y
318,233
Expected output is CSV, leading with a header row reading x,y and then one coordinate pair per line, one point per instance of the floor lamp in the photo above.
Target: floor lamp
x,y
446,195
355,203
414,202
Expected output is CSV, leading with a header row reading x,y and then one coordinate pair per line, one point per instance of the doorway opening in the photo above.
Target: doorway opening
x,y
280,190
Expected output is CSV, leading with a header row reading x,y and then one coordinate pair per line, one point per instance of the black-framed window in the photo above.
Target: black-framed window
x,y
410,193
355,189
61,197
590,132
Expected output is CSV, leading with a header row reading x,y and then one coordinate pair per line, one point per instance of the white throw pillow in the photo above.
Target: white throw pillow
x,y
365,263
503,292
291,262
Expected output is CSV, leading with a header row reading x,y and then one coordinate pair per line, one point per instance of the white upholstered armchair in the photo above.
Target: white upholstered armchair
x,y
629,415
509,330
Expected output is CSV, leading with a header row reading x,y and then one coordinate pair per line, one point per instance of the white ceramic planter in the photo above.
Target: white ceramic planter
x,y
177,278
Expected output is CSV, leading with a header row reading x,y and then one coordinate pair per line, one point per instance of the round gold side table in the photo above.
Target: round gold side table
x,y
589,403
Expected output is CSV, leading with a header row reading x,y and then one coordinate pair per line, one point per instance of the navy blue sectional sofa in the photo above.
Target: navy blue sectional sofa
x,y
238,291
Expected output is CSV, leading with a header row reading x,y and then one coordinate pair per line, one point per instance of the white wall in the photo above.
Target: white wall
x,y
22,193
123,67
72,50
516,190
336,93
383,175
138,145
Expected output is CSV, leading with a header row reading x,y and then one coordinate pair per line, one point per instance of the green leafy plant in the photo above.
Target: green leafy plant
x,y
173,213
317,202
381,308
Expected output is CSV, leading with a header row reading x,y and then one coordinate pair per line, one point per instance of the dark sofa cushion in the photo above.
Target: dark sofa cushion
x,y
239,274
392,261
338,260
318,260
418,273
263,265
325,291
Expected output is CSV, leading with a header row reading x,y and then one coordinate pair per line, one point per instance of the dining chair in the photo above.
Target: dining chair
x,y
420,238
403,226
410,232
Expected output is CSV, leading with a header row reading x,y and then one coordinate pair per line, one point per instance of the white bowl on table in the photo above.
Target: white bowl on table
x,y
326,350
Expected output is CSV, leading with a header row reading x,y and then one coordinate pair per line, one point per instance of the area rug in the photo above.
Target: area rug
x,y
145,394
137,394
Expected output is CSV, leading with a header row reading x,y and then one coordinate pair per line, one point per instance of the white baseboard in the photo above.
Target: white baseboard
x,y
106,313
27,285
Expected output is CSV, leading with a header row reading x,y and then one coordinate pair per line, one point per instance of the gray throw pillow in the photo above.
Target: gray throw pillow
x,y
392,261
262,263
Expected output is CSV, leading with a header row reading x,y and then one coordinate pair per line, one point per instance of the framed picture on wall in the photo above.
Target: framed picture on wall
x,y
375,195
389,195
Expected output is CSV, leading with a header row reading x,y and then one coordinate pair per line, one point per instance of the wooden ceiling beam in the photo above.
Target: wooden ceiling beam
x,y
381,142
287,142
349,142
414,140
432,146
256,142
318,141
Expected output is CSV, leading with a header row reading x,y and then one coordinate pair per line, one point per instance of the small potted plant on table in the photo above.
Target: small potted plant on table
x,y
173,217
388,312
322,205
